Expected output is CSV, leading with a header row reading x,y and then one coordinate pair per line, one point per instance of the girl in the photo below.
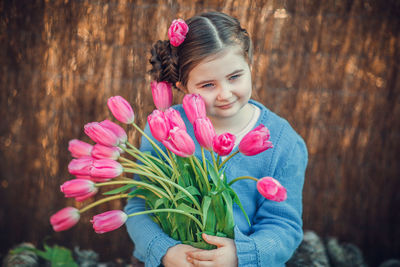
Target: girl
x,y
214,61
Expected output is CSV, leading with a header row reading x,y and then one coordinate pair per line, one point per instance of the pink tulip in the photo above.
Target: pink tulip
x,y
101,135
77,187
194,107
79,148
121,109
224,143
256,141
86,196
174,118
177,32
204,132
81,166
180,143
159,125
105,152
116,129
105,169
271,189
162,94
108,221
64,219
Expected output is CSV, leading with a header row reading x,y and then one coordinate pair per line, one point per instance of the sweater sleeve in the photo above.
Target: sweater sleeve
x,y
151,243
277,227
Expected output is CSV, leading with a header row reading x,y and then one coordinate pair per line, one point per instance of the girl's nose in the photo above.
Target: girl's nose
x,y
225,92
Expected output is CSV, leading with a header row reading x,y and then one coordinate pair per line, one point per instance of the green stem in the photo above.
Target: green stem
x,y
214,162
204,159
174,168
205,177
151,142
101,201
196,175
168,182
242,178
154,189
152,167
228,158
169,210
146,156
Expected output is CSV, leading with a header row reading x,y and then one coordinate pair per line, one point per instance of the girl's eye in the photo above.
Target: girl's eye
x,y
234,77
207,85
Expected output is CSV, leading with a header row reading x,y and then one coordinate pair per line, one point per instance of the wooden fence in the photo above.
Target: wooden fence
x,y
330,67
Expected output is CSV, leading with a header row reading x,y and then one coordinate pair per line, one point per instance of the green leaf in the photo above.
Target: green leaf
x,y
57,255
61,256
210,219
215,177
206,205
229,221
200,244
119,189
185,178
191,189
220,214
237,201
186,208
161,201
141,192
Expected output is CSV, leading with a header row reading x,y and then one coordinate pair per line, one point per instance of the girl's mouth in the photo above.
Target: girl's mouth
x,y
226,106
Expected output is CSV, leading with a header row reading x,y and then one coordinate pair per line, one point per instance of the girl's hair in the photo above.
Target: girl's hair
x,y
209,33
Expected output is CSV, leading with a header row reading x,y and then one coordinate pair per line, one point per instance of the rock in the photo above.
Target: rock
x,y
345,255
24,258
310,253
390,263
86,258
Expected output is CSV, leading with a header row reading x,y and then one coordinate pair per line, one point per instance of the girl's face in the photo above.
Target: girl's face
x,y
224,82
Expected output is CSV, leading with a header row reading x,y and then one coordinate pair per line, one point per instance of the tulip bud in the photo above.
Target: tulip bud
x,y
194,107
256,141
116,129
108,221
180,143
101,134
224,143
204,132
121,109
162,94
77,187
86,196
105,152
81,166
105,169
79,148
174,118
177,32
271,189
159,125
64,219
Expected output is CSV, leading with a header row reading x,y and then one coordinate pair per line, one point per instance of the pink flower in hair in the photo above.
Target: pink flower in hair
x,y
177,32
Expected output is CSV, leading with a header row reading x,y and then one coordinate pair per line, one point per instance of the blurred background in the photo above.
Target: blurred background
x,y
331,68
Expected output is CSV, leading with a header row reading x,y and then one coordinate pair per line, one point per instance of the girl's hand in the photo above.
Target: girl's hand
x,y
176,256
223,255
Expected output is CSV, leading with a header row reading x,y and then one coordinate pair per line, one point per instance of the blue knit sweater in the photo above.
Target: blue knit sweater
x,y
276,228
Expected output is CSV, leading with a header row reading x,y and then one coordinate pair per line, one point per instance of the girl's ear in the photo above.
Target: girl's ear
x,y
180,86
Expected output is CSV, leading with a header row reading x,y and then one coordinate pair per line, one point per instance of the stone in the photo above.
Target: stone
x,y
310,253
344,255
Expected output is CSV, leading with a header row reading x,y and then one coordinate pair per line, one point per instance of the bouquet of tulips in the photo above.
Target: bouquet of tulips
x,y
184,194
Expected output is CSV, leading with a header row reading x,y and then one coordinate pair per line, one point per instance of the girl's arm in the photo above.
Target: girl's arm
x,y
277,227
151,243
